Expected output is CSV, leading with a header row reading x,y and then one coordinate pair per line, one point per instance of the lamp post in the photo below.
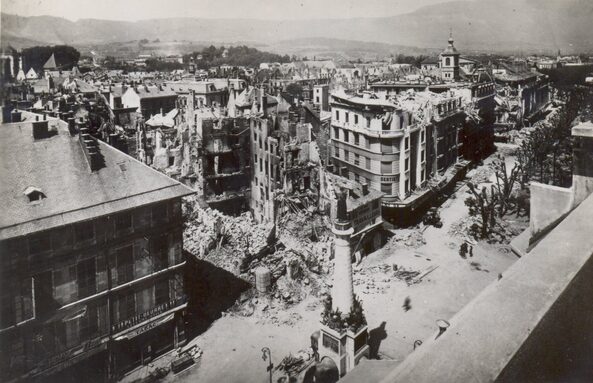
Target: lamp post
x,y
267,355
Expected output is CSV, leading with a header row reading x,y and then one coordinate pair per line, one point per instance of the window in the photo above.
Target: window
x,y
171,160
39,243
337,115
346,155
386,167
87,273
356,118
422,155
159,213
336,133
34,194
7,312
16,305
356,138
368,162
422,136
161,292
422,174
160,252
407,164
368,122
88,323
356,177
407,143
347,117
346,136
127,307
84,231
386,188
356,159
407,186
317,99
448,61
387,146
125,264
123,222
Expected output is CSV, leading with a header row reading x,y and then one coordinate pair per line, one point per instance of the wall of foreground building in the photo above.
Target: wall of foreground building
x,y
535,324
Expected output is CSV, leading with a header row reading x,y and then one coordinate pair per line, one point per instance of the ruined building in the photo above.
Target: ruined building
x,y
363,208
225,166
91,258
285,163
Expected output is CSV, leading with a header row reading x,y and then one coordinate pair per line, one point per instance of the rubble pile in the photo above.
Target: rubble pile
x,y
228,242
404,238
298,258
293,365
462,228
372,279
481,175
377,279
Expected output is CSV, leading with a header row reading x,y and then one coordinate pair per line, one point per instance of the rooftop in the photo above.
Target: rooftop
x,y
57,166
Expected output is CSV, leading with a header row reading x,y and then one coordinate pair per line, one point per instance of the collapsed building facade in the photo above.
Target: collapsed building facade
x,y
225,163
285,163
522,95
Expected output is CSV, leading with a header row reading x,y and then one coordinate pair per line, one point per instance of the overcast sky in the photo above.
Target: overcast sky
x,y
262,9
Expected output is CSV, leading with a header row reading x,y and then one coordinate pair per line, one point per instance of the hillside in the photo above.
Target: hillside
x,y
481,25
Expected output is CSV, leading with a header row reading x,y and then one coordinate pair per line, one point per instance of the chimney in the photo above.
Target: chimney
x,y
114,140
582,178
71,126
264,103
40,128
365,188
15,116
90,148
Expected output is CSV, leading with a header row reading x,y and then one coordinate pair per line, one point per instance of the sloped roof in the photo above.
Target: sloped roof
x,y
57,166
50,63
167,120
430,60
153,92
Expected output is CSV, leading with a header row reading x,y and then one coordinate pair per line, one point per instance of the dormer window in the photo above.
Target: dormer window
x,y
34,194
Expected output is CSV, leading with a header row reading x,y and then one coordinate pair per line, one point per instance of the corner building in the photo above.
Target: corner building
x,y
91,259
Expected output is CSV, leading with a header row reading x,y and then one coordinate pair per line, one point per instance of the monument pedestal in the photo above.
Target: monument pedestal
x,y
345,348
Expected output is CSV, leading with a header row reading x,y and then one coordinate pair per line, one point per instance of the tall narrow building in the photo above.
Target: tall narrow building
x,y
450,62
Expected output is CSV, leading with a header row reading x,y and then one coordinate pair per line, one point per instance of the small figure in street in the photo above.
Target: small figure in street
x,y
471,251
463,250
406,304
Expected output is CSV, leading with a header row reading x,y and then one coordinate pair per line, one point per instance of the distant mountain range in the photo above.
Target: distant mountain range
x,y
506,26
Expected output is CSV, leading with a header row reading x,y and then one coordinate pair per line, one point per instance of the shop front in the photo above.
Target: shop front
x,y
143,343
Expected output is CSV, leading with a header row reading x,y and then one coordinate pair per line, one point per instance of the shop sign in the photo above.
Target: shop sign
x,y
146,327
136,319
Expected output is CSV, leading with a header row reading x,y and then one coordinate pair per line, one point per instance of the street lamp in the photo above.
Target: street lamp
x,y
267,355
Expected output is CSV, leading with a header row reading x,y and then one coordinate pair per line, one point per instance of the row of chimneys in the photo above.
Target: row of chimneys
x,y
90,146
